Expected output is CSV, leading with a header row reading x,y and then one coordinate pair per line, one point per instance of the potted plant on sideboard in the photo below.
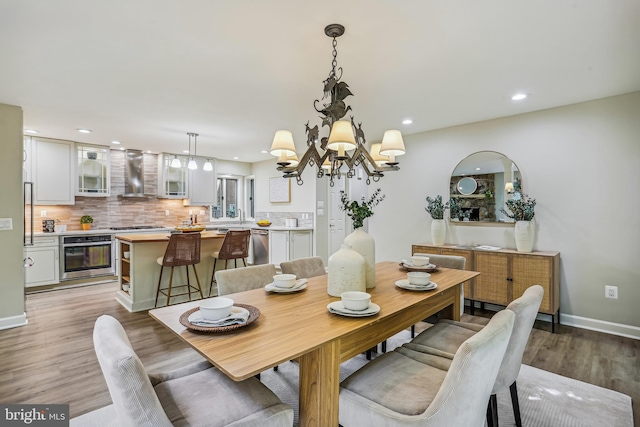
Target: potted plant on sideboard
x,y
436,209
86,221
521,209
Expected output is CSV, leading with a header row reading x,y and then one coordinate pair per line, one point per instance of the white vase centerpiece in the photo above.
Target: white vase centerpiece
x,y
360,240
436,209
346,272
521,209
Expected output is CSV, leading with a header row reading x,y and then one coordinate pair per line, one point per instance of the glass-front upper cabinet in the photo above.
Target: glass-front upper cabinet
x,y
172,176
93,170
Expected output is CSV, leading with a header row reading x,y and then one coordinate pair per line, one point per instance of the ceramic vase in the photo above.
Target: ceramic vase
x,y
524,236
363,243
438,231
346,272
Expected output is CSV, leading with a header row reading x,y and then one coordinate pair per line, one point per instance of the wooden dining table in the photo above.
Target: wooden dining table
x,y
299,326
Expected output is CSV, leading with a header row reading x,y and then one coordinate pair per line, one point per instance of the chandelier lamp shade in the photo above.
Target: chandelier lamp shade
x,y
346,143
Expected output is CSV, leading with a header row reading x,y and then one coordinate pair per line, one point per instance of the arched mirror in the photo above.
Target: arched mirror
x,y
479,186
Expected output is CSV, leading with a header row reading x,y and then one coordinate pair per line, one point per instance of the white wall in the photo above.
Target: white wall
x,y
580,162
302,196
12,308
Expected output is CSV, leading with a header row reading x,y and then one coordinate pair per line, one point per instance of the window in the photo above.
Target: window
x,y
228,197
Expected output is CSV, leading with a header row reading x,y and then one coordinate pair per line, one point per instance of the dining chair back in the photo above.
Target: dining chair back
x,y
446,336
407,387
183,249
244,278
304,268
235,246
192,395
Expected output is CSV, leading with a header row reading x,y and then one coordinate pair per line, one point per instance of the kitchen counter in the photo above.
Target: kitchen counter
x,y
138,275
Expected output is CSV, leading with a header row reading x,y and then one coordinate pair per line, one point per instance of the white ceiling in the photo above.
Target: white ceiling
x,y
146,72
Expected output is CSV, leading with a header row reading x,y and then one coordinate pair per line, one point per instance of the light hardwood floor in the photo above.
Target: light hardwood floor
x,y
51,360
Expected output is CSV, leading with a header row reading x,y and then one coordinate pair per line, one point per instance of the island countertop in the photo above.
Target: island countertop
x,y
162,237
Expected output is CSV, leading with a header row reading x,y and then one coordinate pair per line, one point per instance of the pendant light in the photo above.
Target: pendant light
x,y
175,162
208,166
192,165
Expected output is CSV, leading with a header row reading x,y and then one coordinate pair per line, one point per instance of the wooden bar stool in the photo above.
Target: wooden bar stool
x,y
183,249
235,246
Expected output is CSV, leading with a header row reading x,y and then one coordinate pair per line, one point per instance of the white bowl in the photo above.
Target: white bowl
x,y
418,278
284,280
419,261
215,308
126,254
355,300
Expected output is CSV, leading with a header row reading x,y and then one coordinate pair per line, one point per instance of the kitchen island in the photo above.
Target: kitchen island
x,y
138,274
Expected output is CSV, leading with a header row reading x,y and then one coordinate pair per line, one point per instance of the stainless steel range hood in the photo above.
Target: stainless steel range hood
x,y
134,174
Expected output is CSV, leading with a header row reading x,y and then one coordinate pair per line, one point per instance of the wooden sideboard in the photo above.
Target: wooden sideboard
x,y
505,274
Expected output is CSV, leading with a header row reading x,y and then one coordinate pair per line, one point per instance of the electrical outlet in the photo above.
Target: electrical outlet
x,y
190,211
166,212
43,214
611,292
202,212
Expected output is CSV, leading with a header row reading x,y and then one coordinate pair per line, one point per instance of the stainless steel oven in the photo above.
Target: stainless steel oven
x,y
87,256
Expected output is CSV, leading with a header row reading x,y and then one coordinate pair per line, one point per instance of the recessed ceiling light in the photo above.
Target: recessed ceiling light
x,y
185,151
264,151
84,130
116,142
122,148
407,121
31,131
236,158
477,169
519,96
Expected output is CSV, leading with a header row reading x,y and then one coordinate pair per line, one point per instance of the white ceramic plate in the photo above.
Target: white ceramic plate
x,y
337,307
404,284
196,316
300,285
420,267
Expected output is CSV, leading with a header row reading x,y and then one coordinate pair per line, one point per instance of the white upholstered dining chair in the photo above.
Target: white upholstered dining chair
x,y
304,268
446,336
244,278
197,394
410,388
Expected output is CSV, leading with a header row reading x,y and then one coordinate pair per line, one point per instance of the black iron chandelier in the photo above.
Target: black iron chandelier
x,y
345,144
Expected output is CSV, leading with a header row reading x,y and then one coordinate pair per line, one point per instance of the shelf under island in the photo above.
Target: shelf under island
x,y
138,274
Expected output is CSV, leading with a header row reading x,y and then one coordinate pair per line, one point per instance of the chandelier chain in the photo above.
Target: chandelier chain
x,y
334,63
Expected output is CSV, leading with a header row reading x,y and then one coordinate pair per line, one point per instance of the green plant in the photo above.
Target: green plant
x,y
521,207
86,219
360,211
435,207
455,210
488,194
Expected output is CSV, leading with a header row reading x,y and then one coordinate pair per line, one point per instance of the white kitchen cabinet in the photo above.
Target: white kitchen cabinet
x,y
43,261
52,171
287,245
93,169
201,184
172,181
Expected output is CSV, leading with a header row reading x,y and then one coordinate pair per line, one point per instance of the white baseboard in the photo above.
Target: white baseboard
x,y
13,321
619,329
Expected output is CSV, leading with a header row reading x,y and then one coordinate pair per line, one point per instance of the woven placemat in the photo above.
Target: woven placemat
x,y
424,270
254,313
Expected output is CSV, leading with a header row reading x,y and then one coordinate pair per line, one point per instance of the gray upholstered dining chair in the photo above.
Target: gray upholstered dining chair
x,y
244,278
197,394
304,268
446,336
446,261
410,388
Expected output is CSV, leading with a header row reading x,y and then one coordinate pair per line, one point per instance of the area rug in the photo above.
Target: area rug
x,y
546,399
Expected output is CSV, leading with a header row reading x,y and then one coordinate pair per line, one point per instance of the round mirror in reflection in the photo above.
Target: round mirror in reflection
x,y
480,185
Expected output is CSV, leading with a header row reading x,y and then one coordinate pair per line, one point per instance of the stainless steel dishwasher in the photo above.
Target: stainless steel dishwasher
x,y
260,244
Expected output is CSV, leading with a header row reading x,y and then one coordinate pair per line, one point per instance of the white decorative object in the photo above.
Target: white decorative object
x,y
365,245
524,236
346,272
438,231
